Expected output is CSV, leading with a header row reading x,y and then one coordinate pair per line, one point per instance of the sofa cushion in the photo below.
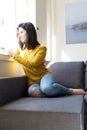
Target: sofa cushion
x,y
69,74
65,113
70,104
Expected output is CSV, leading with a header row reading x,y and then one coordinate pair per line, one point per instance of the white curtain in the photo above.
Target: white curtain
x,y
51,41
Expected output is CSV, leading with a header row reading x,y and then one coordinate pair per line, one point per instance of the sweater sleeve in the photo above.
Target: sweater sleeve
x,y
37,59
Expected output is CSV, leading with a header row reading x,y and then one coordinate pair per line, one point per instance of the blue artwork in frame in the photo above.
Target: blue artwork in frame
x,y
76,22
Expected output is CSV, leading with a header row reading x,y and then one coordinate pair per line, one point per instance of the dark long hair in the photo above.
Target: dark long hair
x,y
31,41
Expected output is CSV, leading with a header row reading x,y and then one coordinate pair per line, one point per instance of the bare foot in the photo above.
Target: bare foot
x,y
77,91
35,92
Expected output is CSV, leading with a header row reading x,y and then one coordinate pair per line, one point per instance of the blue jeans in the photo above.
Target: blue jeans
x,y
49,88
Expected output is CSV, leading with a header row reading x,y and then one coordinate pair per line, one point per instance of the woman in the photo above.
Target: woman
x,y
31,56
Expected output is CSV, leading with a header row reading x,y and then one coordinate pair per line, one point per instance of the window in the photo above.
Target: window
x,y
7,22
12,12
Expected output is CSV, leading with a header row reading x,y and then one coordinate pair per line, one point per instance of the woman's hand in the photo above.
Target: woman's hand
x,y
10,53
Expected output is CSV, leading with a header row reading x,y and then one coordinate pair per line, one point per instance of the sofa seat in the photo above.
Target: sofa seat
x,y
62,113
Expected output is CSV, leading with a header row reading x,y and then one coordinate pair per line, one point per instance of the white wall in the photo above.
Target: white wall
x,y
63,51
50,18
41,21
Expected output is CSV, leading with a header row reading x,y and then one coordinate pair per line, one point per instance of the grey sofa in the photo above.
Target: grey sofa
x,y
20,112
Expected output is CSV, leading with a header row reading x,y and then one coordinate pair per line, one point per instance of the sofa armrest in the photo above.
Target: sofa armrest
x,y
12,88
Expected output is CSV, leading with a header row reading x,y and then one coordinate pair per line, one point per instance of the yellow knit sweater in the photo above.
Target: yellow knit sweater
x,y
33,63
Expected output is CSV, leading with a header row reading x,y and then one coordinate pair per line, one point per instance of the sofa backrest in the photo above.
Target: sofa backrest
x,y
69,74
12,88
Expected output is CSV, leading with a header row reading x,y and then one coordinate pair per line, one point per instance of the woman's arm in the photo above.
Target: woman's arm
x,y
37,59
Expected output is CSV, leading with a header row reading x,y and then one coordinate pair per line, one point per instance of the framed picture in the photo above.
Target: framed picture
x,y
76,22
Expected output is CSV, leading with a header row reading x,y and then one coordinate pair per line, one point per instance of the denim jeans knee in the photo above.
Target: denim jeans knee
x,y
34,86
46,83
31,87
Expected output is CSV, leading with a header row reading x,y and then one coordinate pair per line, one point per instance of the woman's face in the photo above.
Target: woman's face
x,y
22,35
